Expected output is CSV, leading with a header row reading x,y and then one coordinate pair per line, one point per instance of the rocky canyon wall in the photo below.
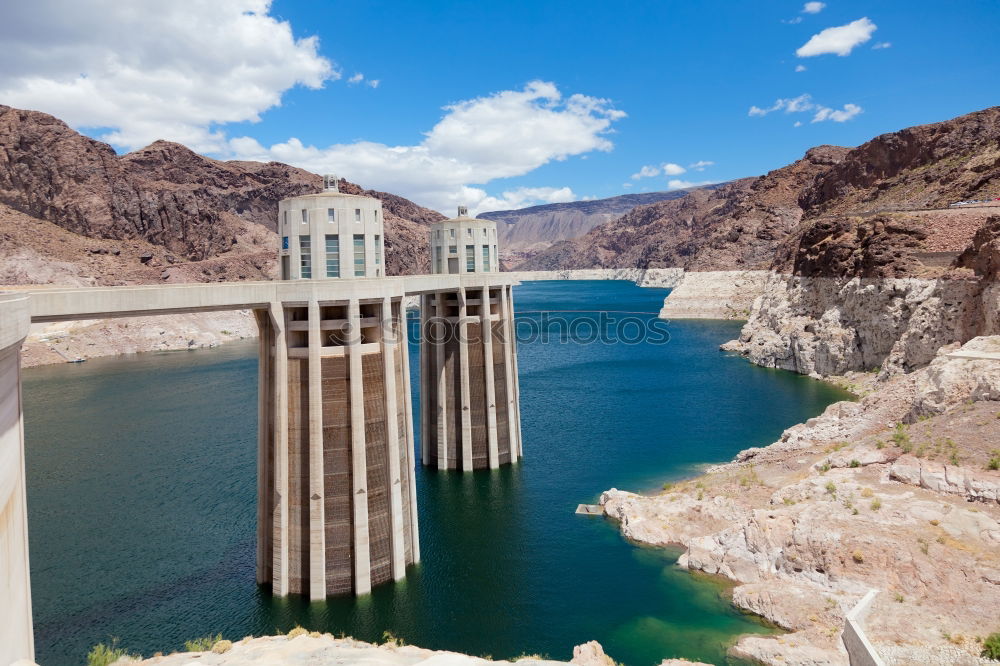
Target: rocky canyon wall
x,y
829,326
859,298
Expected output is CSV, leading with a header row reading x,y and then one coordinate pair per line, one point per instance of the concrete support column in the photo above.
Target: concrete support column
x,y
486,326
359,461
317,494
16,637
509,368
465,398
395,485
513,378
441,385
279,516
411,468
265,430
426,385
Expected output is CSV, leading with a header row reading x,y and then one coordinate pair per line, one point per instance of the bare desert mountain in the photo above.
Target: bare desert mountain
x,y
74,211
772,220
527,231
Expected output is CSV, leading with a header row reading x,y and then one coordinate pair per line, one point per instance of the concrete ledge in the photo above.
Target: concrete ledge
x,y
49,304
860,651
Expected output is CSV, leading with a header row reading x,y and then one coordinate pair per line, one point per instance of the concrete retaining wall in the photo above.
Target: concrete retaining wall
x,y
859,649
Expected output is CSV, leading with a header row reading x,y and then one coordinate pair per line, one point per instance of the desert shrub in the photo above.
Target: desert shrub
x,y
222,647
297,631
855,463
203,644
867,492
858,556
994,461
876,504
392,639
831,487
102,655
991,646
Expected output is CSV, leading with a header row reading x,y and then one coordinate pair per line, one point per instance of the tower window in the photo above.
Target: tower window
x,y
357,214
332,256
378,249
305,256
284,242
470,258
486,257
331,215
359,255
305,216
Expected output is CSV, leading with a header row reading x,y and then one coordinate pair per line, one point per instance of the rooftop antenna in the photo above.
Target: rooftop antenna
x,y
463,211
331,183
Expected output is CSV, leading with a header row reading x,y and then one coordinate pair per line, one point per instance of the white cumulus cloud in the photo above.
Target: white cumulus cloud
x,y
506,134
803,104
646,172
356,78
882,45
800,68
667,169
154,70
840,40
701,165
813,7
845,114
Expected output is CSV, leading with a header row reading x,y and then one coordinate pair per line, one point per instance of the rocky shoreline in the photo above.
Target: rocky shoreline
x,y
300,646
894,492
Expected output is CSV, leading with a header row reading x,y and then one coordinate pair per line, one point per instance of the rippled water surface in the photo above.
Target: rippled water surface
x,y
141,489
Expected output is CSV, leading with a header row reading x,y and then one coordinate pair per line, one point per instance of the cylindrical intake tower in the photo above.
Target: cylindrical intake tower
x,y
337,508
469,404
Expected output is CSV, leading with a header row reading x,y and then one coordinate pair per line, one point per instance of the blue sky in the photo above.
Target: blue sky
x,y
662,83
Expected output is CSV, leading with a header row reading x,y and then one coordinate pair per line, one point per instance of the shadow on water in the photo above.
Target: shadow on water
x,y
141,488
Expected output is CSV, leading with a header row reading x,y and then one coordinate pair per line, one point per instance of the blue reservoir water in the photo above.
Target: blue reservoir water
x,y
141,490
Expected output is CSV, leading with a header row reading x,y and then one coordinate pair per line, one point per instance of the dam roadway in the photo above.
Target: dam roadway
x,y
316,489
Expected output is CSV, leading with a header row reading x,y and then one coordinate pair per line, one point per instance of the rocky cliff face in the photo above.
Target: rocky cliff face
x,y
856,290
859,297
928,166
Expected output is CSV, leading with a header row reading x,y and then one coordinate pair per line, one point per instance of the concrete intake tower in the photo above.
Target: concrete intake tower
x,y
469,404
336,501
